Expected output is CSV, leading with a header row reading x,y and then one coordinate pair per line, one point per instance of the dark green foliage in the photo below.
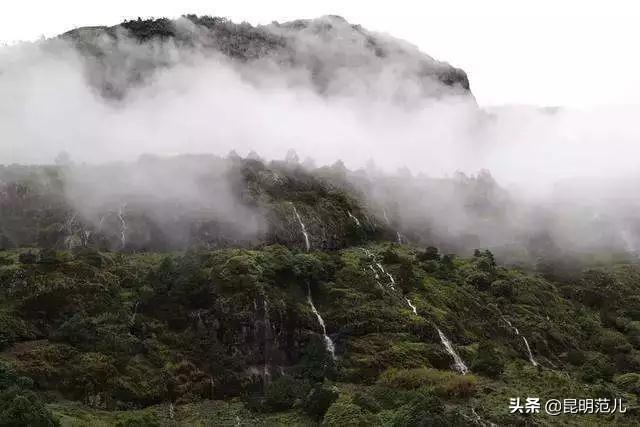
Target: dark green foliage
x,y
134,331
19,405
28,258
145,420
424,409
318,400
344,413
430,254
282,393
488,361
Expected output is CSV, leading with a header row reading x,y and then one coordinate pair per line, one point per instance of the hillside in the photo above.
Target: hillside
x,y
330,48
109,323
208,290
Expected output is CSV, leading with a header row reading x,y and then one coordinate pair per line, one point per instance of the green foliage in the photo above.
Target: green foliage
x,y
445,383
344,413
282,393
318,400
424,409
20,406
132,331
488,360
138,420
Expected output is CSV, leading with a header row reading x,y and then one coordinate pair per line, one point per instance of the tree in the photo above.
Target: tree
x,y
19,405
488,360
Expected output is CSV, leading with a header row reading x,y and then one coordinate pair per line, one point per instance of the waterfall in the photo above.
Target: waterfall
x,y
399,237
267,327
327,341
458,363
391,279
526,343
354,218
135,312
303,228
375,273
71,240
377,276
413,307
531,359
123,226
386,218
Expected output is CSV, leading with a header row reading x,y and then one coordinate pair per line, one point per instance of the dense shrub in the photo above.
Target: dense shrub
x,y
282,393
318,400
344,413
488,361
20,406
445,383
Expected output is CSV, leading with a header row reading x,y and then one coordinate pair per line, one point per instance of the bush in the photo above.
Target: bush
x,y
27,258
445,383
597,368
488,361
429,254
480,280
143,420
20,406
281,394
576,357
318,400
366,402
629,382
344,413
501,288
612,342
425,409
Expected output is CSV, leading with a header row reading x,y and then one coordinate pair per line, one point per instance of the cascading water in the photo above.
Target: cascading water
x,y
354,218
376,275
386,218
413,307
70,227
132,321
531,359
526,343
303,228
458,364
392,281
123,226
399,237
266,372
327,341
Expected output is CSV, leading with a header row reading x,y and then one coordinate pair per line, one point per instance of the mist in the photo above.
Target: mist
x,y
338,99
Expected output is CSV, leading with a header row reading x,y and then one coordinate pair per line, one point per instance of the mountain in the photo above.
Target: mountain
x,y
209,290
327,47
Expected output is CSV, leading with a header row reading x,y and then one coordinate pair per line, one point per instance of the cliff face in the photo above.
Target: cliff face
x,y
336,56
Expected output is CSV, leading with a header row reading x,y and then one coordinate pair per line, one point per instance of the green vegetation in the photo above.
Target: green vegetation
x,y
228,333
211,329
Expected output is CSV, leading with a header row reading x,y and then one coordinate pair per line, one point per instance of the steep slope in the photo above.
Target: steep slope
x,y
202,290
334,52
376,327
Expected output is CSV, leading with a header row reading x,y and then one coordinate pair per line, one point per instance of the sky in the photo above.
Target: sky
x,y
548,53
